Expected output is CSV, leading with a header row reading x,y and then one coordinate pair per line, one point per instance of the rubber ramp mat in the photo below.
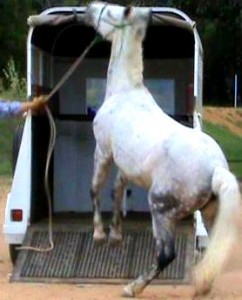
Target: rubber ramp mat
x,y
77,259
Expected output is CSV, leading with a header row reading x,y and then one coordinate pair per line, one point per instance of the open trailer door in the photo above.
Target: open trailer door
x,y
173,73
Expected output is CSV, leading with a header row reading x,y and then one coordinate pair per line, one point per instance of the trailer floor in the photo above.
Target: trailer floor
x,y
77,259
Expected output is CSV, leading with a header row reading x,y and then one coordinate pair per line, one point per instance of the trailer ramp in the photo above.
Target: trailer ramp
x,y
77,259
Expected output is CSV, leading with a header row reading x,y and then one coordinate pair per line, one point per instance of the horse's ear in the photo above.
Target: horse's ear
x,y
128,11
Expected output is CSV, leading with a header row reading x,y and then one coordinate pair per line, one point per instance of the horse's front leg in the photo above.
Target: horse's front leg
x,y
101,169
163,231
115,233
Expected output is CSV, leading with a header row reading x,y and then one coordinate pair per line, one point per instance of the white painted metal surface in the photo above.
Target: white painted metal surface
x,y
19,196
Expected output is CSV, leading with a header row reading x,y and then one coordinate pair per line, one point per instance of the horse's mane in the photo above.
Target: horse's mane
x,y
135,60
131,58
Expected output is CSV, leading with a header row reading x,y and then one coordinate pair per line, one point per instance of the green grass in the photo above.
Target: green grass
x,y
230,143
7,128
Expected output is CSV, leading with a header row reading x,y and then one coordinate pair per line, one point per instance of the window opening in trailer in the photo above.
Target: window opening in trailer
x,y
163,91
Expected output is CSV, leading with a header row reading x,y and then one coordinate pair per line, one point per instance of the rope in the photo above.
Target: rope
x,y
78,61
52,141
73,67
47,189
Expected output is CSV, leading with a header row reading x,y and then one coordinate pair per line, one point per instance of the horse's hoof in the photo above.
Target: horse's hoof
x,y
202,284
115,239
99,238
115,236
128,292
132,290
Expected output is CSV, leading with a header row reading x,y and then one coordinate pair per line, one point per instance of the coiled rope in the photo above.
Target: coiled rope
x,y
52,141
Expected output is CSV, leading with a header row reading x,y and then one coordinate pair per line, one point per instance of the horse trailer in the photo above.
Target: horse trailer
x,y
173,71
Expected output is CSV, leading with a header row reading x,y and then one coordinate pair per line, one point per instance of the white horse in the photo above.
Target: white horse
x,y
183,169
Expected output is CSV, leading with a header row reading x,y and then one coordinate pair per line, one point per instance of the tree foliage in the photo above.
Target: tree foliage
x,y
12,30
219,23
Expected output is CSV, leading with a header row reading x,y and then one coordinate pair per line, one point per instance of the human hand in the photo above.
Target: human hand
x,y
38,103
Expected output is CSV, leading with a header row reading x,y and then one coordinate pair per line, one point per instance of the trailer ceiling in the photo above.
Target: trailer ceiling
x,y
70,40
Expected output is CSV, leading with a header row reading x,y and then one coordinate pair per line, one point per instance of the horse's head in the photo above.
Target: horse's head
x,y
107,18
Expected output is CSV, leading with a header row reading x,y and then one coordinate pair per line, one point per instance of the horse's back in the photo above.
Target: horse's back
x,y
193,152
126,116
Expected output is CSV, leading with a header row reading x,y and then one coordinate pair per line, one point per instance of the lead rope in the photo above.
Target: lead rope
x,y
47,188
73,67
51,145
52,141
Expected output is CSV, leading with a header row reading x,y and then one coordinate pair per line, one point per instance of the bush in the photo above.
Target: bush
x,y
15,86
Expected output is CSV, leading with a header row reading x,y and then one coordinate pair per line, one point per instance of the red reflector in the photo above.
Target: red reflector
x,y
16,215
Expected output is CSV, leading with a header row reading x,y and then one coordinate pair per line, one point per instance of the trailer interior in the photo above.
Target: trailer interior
x,y
169,73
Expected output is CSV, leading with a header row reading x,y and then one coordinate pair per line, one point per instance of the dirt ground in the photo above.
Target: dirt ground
x,y
227,116
227,286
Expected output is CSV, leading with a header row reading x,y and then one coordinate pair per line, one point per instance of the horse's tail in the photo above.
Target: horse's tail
x,y
224,231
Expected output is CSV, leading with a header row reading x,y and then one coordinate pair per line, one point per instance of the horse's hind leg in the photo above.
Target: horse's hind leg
x,y
101,170
209,213
115,233
163,231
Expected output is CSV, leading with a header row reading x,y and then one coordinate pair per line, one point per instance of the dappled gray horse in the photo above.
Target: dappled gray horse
x,y
183,169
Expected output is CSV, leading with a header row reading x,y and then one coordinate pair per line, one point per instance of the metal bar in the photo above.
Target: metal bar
x,y
57,19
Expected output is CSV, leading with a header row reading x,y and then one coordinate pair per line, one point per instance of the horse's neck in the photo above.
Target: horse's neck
x,y
125,69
